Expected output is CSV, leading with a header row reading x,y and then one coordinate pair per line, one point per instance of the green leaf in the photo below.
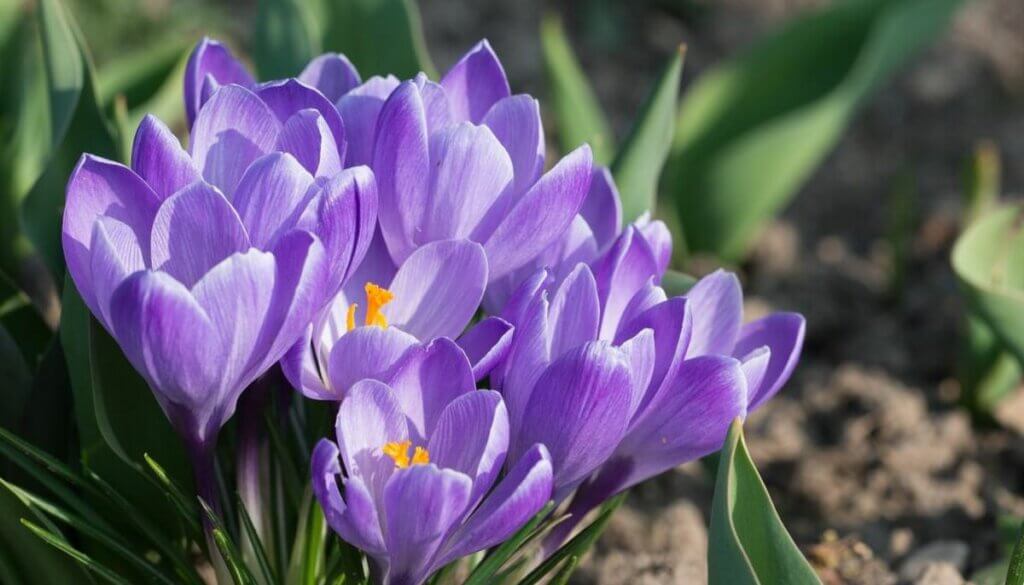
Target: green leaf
x,y
751,131
483,572
639,161
308,548
380,37
28,559
286,38
1015,570
677,283
82,558
748,545
577,111
139,75
17,380
988,259
256,544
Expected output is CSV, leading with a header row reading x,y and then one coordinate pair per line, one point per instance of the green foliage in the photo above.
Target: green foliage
x,y
752,130
287,38
748,545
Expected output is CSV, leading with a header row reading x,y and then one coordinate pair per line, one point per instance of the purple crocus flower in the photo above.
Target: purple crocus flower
x,y
434,293
419,456
206,265
463,159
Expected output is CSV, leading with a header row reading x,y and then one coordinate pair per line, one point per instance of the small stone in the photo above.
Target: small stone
x,y
939,573
949,552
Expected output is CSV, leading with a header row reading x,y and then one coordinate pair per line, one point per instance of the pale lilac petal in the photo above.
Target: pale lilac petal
x,y
471,437
116,254
402,168
300,367
527,360
421,506
575,312
377,267
193,231
541,216
307,137
755,366
287,97
359,110
626,269
232,130
648,296
159,159
476,83
99,187
270,197
641,355
428,378
368,419
210,59
659,238
332,74
354,518
469,171
365,352
602,209
716,302
516,123
486,344
783,334
516,499
438,289
579,410
435,103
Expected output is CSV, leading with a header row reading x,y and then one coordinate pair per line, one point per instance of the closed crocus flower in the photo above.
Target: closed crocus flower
x,y
206,265
417,458
385,311
463,159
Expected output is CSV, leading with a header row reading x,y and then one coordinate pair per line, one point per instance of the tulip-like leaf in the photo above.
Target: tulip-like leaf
x,y
748,544
380,37
579,115
639,161
988,259
286,38
751,131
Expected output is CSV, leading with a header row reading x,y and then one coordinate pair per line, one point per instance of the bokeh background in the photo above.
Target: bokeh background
x,y
875,467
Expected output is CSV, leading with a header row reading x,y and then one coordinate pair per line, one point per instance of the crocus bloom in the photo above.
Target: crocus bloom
x,y
463,159
385,312
421,454
206,265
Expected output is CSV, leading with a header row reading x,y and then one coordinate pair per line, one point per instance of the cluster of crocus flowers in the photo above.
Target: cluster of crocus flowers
x,y
396,244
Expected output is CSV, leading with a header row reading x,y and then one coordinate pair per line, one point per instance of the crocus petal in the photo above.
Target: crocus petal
x,y
402,167
641,355
166,335
271,195
648,296
438,289
359,110
159,159
332,74
377,267
300,367
307,137
193,231
99,187
475,83
575,313
365,352
783,334
519,496
627,268
542,215
369,418
287,97
689,421
426,379
116,254
210,58
486,344
755,366
435,103
354,518
516,123
602,209
527,359
579,410
716,302
471,437
659,238
232,130
421,505
470,169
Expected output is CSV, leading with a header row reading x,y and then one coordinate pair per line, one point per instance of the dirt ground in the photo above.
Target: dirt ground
x,y
878,474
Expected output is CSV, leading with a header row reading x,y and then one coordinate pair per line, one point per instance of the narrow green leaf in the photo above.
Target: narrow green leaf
x,y
357,28
182,502
748,544
638,164
580,118
677,283
32,561
565,573
84,559
256,544
493,562
308,546
138,75
228,550
1015,571
286,38
751,131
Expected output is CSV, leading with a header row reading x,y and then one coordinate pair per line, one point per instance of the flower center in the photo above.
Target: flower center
x,y
376,298
398,451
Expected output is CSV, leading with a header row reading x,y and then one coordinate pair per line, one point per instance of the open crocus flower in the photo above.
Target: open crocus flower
x,y
385,312
463,159
418,459
206,265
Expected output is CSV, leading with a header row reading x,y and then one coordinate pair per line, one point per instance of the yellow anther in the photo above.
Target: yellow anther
x,y
376,298
398,451
350,319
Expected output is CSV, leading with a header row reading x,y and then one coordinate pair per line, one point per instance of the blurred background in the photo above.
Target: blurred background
x,y
877,468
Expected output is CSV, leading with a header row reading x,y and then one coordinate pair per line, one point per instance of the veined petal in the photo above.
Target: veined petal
x,y
486,344
575,313
116,254
438,289
716,302
353,517
369,418
627,268
359,110
210,59
287,97
528,357
426,379
435,103
783,334
641,355
471,437
270,197
476,83
659,238
332,74
300,367
159,159
366,352
602,209
516,123
307,137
